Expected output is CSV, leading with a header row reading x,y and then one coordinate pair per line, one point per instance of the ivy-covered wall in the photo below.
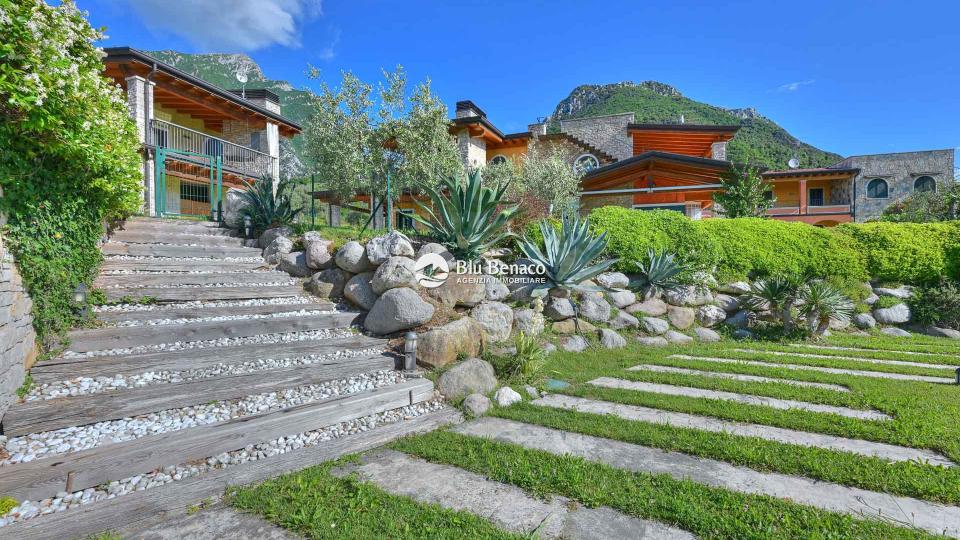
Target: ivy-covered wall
x,y
17,337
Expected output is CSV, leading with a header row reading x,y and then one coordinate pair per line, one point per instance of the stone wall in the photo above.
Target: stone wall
x,y
17,338
900,170
608,133
590,202
473,150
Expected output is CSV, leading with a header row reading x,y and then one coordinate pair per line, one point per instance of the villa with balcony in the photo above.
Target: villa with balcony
x,y
198,140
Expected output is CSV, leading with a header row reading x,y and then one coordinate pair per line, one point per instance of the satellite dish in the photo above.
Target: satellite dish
x,y
242,78
793,163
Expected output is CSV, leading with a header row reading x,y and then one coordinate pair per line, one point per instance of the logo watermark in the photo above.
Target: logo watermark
x,y
432,270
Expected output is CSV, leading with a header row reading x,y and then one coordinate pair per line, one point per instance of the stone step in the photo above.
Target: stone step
x,y
45,415
835,371
88,468
161,280
175,226
206,312
140,236
185,294
931,517
158,250
637,413
735,376
506,506
63,369
747,399
850,358
160,264
130,514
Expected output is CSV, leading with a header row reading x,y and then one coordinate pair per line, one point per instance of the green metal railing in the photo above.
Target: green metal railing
x,y
193,197
234,158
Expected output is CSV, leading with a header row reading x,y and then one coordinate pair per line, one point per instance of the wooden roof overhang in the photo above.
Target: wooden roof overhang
x,y
188,94
478,126
794,175
511,140
686,139
649,169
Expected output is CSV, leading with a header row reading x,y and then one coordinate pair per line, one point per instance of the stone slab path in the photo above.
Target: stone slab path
x,y
216,522
705,423
735,376
858,349
506,506
851,358
836,371
931,517
775,403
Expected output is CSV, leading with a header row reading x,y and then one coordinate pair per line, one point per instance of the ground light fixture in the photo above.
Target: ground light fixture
x,y
410,352
248,227
80,299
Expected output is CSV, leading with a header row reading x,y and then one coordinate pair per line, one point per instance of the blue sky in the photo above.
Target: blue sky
x,y
849,77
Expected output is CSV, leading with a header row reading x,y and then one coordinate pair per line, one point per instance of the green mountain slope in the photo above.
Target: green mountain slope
x,y
759,140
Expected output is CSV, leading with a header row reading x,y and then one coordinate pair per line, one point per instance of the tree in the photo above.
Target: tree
x,y
743,193
925,207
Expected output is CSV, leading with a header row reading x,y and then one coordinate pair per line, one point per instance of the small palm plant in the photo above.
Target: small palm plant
x,y
465,217
778,295
657,274
267,208
820,303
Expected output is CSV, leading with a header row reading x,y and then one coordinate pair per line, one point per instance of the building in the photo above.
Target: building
x,y
198,140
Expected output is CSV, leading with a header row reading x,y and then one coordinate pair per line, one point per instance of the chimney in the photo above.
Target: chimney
x,y
718,150
261,97
537,129
467,108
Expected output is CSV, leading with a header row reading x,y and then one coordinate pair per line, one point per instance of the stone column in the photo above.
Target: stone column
x,y
140,105
273,148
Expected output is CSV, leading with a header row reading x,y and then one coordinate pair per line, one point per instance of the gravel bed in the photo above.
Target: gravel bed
x,y
80,386
202,304
289,337
76,438
63,501
182,259
278,283
120,272
165,322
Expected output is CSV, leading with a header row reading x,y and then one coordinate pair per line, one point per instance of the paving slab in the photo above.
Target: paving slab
x,y
835,371
221,521
735,376
505,505
932,517
889,452
852,358
775,403
862,349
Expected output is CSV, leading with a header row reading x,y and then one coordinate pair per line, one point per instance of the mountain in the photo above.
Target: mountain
x,y
760,140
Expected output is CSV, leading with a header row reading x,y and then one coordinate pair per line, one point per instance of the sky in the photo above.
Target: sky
x,y
848,77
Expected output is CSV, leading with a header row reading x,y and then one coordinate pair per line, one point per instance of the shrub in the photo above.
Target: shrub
x,y
937,305
631,234
526,364
268,208
886,302
820,303
915,253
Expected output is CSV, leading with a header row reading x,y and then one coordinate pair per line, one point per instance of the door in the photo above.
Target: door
x,y
816,197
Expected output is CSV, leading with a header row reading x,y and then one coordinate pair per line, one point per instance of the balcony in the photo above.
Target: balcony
x,y
831,209
198,147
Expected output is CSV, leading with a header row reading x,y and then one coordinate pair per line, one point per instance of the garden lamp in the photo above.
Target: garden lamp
x,y
248,227
80,295
410,352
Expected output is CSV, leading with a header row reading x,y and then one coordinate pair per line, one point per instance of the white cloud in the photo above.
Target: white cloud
x,y
230,25
794,86
330,51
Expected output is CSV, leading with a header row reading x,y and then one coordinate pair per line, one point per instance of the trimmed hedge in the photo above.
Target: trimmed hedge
x,y
915,253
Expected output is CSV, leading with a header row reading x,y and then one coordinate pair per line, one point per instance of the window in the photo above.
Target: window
x,y
816,197
877,189
255,141
498,159
924,183
585,163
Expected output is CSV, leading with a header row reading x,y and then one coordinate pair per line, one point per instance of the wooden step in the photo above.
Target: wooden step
x,y
185,294
99,339
156,250
171,265
88,468
204,312
150,237
62,369
46,415
176,225
155,280
131,513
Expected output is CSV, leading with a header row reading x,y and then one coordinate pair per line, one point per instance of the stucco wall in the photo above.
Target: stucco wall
x,y
17,338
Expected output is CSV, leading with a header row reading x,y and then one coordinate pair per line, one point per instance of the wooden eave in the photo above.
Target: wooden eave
x,y
677,168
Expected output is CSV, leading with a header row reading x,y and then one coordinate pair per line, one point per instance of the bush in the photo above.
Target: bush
x,y
915,253
631,234
937,305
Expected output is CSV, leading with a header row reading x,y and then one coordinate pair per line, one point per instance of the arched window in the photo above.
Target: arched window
x,y
924,183
585,163
498,159
877,189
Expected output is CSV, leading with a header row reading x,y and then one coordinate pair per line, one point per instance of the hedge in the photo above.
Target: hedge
x,y
915,253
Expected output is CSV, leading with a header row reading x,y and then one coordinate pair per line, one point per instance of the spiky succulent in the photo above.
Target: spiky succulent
x,y
657,274
267,208
464,217
777,294
820,303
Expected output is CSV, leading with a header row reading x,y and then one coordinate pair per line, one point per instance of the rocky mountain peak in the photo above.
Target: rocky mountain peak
x,y
590,94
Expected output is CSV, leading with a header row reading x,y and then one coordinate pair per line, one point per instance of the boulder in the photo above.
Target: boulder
x,y
476,405
497,253
559,292
895,332
280,246
676,337
352,257
549,348
740,319
622,298
507,396
336,277
392,244
359,291
528,321
728,303
624,320
613,280
941,332
835,324
736,287
610,339
653,325
704,280
440,249
496,318
472,376
681,317
574,343
655,341
710,315
532,392
897,314
270,235
558,309
688,295
742,333
320,289
871,299
295,264
393,273
594,308
653,307
900,292
864,321
233,205
569,327
495,289
396,310
317,251
706,335
442,345
465,290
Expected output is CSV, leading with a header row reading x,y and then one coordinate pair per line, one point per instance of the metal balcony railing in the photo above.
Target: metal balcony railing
x,y
234,158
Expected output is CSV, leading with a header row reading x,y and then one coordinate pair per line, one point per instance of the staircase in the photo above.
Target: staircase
x,y
212,368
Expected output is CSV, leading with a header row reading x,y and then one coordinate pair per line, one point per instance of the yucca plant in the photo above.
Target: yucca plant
x,y
777,294
464,217
526,364
820,303
266,208
567,255
657,274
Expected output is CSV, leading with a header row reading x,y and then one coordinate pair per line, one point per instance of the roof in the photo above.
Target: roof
x,y
654,154
466,104
682,127
482,120
814,171
129,54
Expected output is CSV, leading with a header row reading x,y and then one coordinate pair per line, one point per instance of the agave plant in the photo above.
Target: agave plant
x,y
567,255
777,295
464,217
267,208
820,303
657,274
